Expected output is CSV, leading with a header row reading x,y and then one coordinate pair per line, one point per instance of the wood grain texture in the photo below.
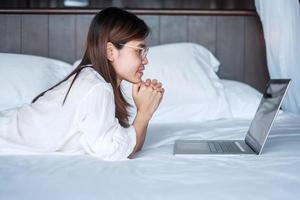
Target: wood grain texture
x,y
153,23
62,39
173,29
230,47
237,41
82,26
182,12
255,70
35,31
202,30
10,33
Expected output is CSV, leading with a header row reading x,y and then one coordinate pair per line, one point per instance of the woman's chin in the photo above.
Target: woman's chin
x,y
138,78
135,80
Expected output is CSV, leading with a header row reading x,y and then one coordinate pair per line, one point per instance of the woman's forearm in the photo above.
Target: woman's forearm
x,y
140,124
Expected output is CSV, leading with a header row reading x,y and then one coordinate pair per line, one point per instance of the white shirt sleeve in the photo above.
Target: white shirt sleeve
x,y
103,136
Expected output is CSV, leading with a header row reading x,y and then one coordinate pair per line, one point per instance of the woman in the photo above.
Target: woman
x,y
86,112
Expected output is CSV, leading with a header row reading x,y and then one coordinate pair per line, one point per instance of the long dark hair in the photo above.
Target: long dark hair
x,y
109,25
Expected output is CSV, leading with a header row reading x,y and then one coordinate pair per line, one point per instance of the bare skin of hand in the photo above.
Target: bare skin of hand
x,y
147,96
155,85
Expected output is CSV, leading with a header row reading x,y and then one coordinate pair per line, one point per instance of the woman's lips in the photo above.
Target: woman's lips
x,y
141,71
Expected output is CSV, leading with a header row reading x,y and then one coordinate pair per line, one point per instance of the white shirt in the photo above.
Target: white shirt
x,y
85,124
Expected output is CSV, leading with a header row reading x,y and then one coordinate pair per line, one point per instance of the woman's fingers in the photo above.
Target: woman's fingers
x,y
143,86
158,85
148,82
155,84
162,90
147,98
154,81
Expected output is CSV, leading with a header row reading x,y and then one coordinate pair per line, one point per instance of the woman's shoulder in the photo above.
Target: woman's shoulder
x,y
89,79
90,75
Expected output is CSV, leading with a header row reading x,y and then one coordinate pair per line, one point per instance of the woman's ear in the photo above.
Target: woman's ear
x,y
110,51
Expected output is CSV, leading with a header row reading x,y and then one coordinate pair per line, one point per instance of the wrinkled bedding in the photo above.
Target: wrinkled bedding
x,y
156,173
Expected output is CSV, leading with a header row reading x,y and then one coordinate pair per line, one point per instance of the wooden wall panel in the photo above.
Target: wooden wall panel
x,y
202,30
173,29
82,26
62,34
10,33
230,47
35,31
255,70
237,41
153,23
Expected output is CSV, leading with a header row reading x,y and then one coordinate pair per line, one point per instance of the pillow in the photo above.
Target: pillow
x,y
193,91
76,63
23,77
243,99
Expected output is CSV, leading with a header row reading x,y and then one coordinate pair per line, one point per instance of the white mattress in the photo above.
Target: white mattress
x,y
157,174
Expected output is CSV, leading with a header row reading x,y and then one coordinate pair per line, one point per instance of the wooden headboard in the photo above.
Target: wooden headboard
x,y
234,37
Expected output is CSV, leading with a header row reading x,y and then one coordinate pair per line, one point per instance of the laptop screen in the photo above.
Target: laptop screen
x,y
266,113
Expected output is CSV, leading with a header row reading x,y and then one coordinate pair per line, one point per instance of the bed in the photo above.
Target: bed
x,y
157,174
215,108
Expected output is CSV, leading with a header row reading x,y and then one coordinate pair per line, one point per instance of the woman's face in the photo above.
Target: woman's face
x,y
128,62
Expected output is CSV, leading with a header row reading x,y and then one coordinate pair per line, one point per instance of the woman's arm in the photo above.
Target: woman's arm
x,y
140,125
147,97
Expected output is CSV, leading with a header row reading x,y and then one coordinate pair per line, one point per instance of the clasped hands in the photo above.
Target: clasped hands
x,y
147,96
155,84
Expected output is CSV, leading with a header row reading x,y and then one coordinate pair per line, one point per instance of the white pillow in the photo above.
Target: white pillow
x,y
243,99
76,63
23,77
193,91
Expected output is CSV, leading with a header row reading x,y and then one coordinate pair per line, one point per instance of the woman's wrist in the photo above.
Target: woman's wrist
x,y
140,124
143,116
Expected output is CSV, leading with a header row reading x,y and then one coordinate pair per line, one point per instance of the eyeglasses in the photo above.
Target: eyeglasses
x,y
142,50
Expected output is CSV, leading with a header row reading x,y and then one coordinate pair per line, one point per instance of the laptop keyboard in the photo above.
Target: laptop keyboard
x,y
223,147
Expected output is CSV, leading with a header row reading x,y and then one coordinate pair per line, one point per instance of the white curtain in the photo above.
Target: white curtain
x,y
281,26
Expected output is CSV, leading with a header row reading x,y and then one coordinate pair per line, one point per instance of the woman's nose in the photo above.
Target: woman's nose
x,y
145,61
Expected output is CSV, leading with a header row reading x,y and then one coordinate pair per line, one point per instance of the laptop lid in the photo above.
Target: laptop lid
x,y
266,113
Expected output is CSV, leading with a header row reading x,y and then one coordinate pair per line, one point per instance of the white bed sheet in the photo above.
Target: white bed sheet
x,y
157,174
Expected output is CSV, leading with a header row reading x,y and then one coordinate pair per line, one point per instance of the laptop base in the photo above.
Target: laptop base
x,y
211,147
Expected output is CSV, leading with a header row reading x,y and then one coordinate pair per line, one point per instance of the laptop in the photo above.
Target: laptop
x,y
258,131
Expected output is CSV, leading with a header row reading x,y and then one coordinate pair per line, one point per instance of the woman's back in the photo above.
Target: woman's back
x,y
47,125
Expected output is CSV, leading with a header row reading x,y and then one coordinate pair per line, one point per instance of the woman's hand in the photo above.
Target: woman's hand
x,y
155,85
147,96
